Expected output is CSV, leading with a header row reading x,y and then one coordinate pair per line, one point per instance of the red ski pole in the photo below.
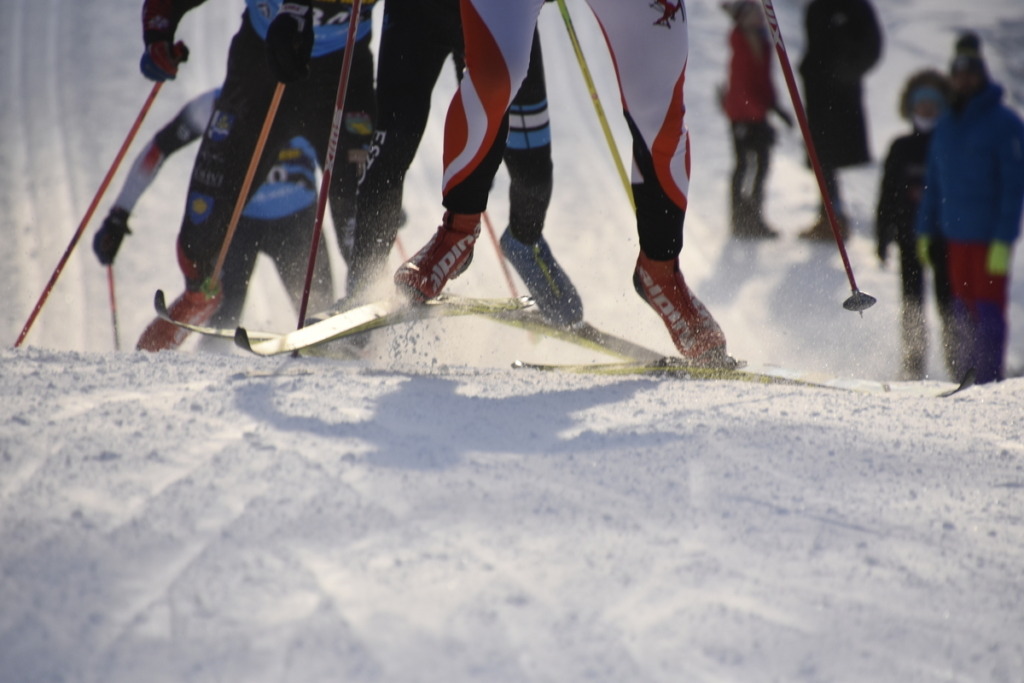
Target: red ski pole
x,y
332,149
858,301
113,306
88,214
501,255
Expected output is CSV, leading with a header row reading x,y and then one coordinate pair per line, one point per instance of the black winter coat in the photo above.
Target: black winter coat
x,y
844,42
901,191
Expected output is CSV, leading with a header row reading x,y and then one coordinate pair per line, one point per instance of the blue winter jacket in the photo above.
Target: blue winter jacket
x,y
974,188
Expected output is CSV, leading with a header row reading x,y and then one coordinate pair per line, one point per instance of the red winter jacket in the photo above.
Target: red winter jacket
x,y
750,93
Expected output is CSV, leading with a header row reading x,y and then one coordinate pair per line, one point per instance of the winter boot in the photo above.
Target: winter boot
x,y
193,307
821,231
444,257
695,333
549,286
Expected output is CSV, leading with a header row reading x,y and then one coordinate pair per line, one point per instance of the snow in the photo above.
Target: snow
x,y
430,514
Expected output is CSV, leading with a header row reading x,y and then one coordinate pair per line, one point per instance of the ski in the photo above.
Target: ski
x,y
966,382
582,334
160,304
761,374
668,367
373,316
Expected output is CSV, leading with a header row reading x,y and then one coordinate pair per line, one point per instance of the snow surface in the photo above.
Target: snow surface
x,y
431,514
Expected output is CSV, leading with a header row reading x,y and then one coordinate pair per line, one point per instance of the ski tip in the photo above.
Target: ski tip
x,y
160,304
242,339
966,382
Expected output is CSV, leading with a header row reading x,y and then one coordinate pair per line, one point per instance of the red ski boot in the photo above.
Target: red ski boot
x,y
695,333
444,257
194,307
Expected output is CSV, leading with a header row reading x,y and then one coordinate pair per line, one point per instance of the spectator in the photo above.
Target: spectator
x,y
844,42
974,190
749,97
924,99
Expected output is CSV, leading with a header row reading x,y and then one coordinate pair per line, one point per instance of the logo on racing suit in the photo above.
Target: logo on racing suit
x,y
199,207
668,10
220,125
358,123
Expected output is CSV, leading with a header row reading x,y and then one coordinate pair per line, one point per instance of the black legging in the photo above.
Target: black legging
x,y
306,109
418,36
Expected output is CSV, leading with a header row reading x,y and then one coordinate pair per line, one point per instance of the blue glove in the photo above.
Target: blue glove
x,y
161,59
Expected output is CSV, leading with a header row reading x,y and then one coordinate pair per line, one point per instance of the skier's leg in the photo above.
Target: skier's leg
x,y
528,160
498,36
237,272
414,44
216,182
224,155
291,258
528,153
353,147
650,58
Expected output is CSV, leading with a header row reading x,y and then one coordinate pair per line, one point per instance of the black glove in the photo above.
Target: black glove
x,y
290,42
108,237
784,115
885,234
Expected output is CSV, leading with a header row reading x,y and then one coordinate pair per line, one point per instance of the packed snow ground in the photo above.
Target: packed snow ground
x,y
430,514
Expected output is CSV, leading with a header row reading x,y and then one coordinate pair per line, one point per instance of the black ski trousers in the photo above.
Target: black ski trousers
x,y
417,38
306,109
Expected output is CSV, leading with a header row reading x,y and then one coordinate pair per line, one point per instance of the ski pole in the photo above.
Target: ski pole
x,y
609,138
501,255
858,301
149,339
332,149
243,194
88,214
113,306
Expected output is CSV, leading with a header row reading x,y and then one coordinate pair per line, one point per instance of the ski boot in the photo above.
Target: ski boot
x,y
694,331
445,257
195,307
550,287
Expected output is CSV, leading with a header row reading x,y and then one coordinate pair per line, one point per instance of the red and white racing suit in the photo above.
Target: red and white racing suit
x,y
648,46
